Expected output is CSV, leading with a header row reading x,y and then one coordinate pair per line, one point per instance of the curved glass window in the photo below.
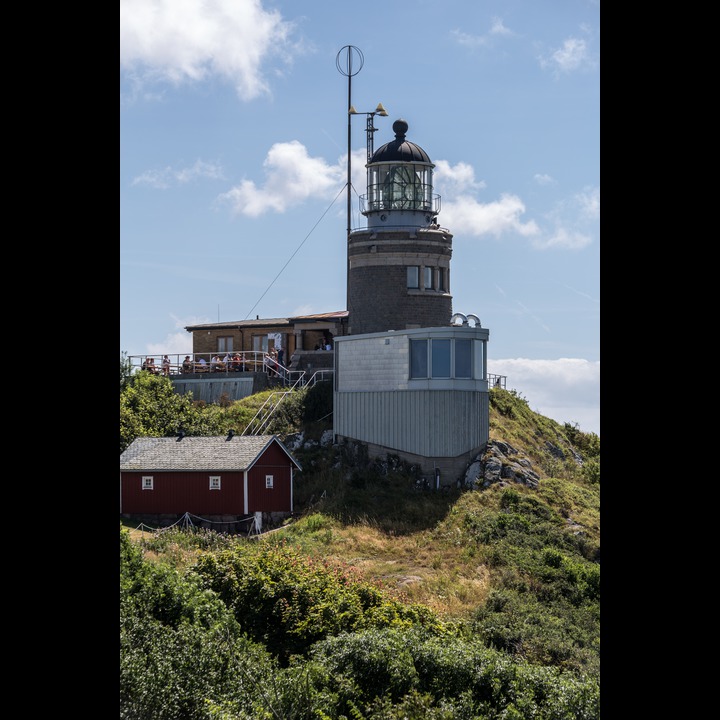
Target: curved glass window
x,y
446,358
440,358
418,358
427,278
413,280
463,358
402,186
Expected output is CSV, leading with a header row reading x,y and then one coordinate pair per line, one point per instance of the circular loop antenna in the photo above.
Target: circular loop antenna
x,y
346,66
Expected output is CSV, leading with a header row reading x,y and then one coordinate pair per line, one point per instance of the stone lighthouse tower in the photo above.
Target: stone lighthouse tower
x,y
399,265
409,380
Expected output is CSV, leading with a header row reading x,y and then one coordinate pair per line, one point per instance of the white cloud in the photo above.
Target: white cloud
x,y
589,202
565,390
470,217
497,29
292,176
180,41
162,179
570,218
572,55
200,170
456,178
159,179
179,342
174,343
563,239
543,179
469,40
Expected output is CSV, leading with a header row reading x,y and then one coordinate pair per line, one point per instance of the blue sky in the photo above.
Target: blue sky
x,y
233,168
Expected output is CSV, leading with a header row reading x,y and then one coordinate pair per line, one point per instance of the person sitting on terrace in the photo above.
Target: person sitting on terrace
x,y
187,365
166,365
149,365
201,365
237,364
216,364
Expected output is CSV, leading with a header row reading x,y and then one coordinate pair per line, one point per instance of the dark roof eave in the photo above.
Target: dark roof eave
x,y
271,322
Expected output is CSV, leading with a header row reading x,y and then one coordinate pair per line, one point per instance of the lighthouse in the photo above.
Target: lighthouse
x,y
399,264
410,376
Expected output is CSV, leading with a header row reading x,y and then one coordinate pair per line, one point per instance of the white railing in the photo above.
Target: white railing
x,y
249,361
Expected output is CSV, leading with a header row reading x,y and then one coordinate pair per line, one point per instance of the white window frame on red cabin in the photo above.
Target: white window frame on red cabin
x,y
147,482
269,482
215,482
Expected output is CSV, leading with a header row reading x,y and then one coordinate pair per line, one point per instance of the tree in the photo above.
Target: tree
x,y
126,370
149,407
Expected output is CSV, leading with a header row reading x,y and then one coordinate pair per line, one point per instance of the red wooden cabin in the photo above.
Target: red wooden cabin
x,y
207,476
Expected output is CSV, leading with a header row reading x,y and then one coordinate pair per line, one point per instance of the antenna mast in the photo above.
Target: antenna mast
x,y
345,67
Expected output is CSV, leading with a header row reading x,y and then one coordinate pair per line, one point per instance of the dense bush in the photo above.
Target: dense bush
x,y
385,666
179,646
288,601
185,654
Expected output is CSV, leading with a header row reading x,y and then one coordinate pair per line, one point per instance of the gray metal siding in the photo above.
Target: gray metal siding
x,y
377,363
431,423
211,391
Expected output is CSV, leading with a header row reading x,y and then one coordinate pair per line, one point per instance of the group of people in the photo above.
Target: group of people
x,y
323,344
149,365
273,362
233,363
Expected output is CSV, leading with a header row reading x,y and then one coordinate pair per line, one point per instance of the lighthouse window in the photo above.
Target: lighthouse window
x,y
400,187
441,279
444,358
463,364
413,280
441,358
418,358
427,279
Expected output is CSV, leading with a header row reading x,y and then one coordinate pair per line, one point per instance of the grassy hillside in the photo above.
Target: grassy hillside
x,y
522,560
533,552
378,600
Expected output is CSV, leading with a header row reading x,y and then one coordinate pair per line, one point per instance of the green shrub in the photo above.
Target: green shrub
x,y
386,669
289,601
179,646
591,471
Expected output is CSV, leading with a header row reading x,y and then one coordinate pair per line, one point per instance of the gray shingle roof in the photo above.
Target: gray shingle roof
x,y
197,453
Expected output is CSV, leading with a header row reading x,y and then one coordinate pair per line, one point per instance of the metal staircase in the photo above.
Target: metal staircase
x,y
292,379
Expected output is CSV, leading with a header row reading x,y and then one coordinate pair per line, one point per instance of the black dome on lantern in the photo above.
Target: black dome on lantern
x,y
400,149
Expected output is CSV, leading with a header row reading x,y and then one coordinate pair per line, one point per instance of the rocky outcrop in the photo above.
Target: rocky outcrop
x,y
499,462
297,441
